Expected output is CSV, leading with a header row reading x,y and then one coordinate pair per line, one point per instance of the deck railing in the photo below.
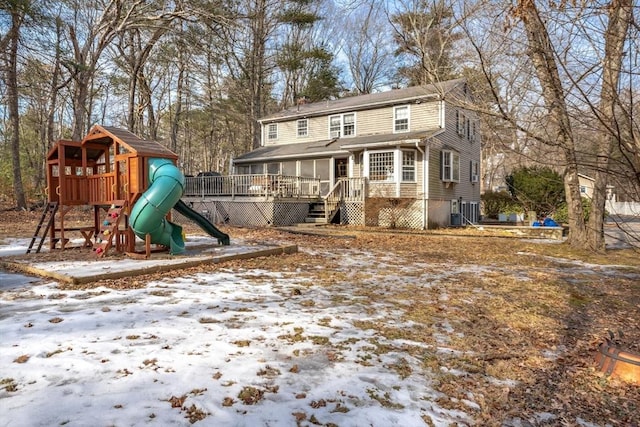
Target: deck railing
x,y
345,190
269,185
102,185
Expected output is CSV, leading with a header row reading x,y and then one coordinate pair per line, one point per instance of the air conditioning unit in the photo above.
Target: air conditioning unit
x,y
475,178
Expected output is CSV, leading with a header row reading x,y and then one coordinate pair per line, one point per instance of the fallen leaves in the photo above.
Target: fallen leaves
x,y
22,359
250,395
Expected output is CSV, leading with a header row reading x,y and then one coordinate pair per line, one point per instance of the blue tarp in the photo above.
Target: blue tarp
x,y
548,222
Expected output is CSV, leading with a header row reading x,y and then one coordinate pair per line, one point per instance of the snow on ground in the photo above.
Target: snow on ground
x,y
230,348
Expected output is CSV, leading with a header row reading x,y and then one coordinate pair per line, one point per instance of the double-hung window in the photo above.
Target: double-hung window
x,y
342,125
272,132
349,124
303,128
335,126
401,119
408,166
450,166
474,168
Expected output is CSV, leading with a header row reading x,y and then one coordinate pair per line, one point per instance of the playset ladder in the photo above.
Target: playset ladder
x,y
48,215
109,228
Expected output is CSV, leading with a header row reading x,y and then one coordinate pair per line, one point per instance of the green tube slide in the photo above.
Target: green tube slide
x,y
166,184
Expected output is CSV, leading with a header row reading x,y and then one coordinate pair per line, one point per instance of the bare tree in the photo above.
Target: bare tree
x,y
17,10
92,27
249,63
425,33
368,48
561,88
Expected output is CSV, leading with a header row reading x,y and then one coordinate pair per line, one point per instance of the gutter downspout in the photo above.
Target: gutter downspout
x,y
425,182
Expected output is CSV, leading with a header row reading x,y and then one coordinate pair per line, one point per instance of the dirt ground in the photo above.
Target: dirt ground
x,y
528,339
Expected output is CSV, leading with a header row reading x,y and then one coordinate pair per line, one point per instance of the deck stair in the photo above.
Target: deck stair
x,y
322,212
109,228
40,234
316,213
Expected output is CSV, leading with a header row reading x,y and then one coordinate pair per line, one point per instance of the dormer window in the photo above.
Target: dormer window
x,y
401,119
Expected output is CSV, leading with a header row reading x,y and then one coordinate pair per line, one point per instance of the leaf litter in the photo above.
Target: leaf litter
x,y
381,329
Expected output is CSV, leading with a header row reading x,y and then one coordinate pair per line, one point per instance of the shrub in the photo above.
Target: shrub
x,y
495,202
561,215
536,188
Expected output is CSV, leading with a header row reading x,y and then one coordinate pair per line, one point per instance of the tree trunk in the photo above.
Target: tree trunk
x,y
257,73
620,14
14,112
177,116
80,97
544,62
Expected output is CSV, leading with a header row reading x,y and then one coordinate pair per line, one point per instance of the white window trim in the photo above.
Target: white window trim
x,y
408,118
474,171
298,128
269,138
341,116
453,155
354,125
390,178
329,126
415,169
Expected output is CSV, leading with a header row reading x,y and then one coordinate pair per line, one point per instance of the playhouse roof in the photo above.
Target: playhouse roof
x,y
107,135
72,150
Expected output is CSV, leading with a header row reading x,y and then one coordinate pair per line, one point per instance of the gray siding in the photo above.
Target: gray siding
x,y
423,116
468,150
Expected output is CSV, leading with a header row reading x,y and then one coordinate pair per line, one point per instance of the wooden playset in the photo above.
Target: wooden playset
x,y
106,171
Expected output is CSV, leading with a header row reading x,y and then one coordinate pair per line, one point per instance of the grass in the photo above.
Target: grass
x,y
509,324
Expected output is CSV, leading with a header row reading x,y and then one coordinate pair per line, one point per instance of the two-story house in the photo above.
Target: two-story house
x,y
402,158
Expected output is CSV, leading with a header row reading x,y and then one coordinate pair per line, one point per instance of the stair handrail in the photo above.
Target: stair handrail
x,y
332,200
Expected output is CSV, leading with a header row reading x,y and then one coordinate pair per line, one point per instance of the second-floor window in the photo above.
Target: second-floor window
x,y
303,127
465,127
342,125
272,132
450,166
474,168
401,119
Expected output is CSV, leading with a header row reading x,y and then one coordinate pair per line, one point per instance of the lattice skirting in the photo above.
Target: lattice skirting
x,y
352,213
409,216
250,213
374,212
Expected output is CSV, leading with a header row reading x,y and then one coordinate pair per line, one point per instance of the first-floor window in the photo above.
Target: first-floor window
x,y
381,166
409,166
273,168
450,166
256,169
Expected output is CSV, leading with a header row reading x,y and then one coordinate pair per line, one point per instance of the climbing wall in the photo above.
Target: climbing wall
x,y
109,229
